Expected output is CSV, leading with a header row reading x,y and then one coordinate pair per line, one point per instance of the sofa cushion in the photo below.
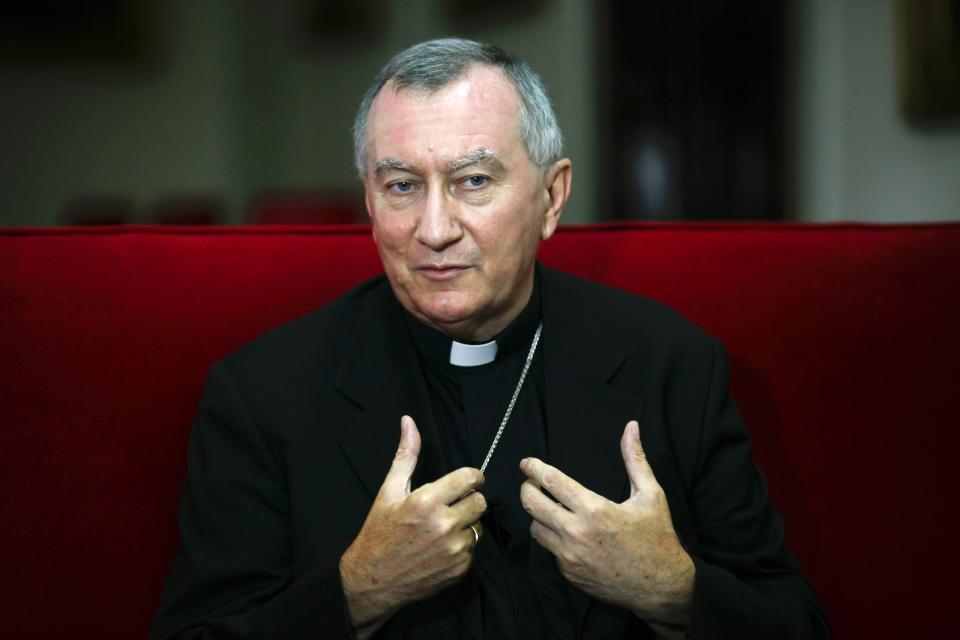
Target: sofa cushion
x,y
842,341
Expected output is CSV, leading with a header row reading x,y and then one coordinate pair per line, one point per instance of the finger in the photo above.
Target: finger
x,y
397,483
548,539
542,508
454,486
469,508
462,543
473,531
635,459
573,495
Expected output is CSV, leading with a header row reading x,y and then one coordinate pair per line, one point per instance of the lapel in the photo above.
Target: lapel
x,y
585,414
381,374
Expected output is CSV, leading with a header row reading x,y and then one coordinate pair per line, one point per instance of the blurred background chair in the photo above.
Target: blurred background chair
x,y
306,207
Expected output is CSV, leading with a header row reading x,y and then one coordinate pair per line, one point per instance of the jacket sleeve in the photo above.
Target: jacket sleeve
x,y
747,584
232,575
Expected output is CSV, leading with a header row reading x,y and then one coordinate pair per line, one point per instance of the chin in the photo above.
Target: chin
x,y
446,309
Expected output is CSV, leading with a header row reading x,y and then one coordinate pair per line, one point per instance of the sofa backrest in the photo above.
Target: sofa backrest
x,y
843,342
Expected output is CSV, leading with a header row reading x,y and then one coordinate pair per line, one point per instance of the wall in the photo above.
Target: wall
x,y
299,106
240,105
106,131
856,157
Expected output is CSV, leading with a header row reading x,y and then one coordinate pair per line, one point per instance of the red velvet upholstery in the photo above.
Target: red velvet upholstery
x,y
843,340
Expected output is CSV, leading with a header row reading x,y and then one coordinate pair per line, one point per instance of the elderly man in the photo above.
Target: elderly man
x,y
570,463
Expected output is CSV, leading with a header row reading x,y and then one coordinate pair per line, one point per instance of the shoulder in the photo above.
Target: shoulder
x,y
316,339
634,321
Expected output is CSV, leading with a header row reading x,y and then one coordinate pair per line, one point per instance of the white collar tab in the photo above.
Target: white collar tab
x,y
472,355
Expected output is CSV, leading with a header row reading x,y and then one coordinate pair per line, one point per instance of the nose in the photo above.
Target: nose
x,y
439,224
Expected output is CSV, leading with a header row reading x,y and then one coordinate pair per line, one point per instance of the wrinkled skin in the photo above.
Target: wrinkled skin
x,y
457,206
458,211
627,554
412,544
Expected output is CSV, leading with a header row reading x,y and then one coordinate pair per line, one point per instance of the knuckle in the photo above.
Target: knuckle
x,y
444,524
525,494
420,503
454,547
550,478
462,476
535,531
563,563
576,531
469,477
415,501
571,558
598,514
481,501
452,523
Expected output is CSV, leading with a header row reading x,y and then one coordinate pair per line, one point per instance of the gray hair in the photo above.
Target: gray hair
x,y
432,65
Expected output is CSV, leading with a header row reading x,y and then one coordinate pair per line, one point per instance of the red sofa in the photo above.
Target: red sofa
x,y
843,341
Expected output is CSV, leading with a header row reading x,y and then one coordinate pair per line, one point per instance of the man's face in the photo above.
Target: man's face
x,y
458,208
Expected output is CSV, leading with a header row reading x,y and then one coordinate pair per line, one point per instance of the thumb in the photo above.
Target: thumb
x,y
397,483
635,460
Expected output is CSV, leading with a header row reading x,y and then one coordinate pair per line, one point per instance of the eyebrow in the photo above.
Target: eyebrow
x,y
384,165
476,157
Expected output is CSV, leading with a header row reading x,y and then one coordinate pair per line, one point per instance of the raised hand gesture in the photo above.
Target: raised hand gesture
x,y
627,553
412,544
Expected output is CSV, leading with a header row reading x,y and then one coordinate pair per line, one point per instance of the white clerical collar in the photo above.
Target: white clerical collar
x,y
472,355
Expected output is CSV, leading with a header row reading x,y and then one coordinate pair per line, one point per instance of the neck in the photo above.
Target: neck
x,y
514,335
473,330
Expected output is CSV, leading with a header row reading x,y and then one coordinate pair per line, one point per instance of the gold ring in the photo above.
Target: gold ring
x,y
477,529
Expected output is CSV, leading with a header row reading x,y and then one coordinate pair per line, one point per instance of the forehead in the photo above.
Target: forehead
x,y
478,111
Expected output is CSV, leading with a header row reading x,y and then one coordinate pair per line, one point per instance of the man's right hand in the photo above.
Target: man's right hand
x,y
412,544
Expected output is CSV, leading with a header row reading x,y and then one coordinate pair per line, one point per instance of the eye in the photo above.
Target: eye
x,y
476,182
401,187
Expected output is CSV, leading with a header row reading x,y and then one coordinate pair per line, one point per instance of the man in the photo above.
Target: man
x,y
506,510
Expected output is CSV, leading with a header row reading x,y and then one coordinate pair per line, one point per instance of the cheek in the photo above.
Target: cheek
x,y
392,237
510,244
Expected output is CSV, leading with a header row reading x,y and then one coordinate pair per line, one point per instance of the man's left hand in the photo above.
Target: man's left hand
x,y
627,554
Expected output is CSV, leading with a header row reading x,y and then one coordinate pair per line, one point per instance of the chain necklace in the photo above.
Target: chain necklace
x,y
513,400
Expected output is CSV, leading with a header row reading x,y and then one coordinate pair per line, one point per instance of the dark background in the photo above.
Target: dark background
x,y
217,111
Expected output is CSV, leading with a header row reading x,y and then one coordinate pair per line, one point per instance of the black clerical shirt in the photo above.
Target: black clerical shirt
x,y
519,599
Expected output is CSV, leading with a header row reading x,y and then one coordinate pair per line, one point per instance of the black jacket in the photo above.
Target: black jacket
x,y
296,432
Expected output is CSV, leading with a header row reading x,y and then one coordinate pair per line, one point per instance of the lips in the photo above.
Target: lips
x,y
441,272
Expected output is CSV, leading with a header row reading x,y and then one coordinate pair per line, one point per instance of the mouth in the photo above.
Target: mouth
x,y
441,272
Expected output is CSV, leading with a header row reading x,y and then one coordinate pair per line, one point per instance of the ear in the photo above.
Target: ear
x,y
557,187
